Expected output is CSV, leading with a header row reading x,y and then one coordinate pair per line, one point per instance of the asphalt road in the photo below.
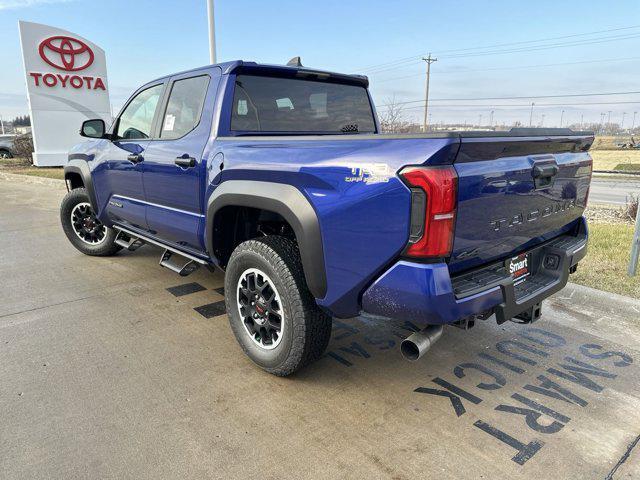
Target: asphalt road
x,y
106,371
613,191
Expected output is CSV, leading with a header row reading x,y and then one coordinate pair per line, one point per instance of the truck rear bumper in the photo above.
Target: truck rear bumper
x,y
427,293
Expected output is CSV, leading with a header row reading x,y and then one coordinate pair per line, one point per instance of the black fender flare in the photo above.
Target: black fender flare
x,y
81,167
292,205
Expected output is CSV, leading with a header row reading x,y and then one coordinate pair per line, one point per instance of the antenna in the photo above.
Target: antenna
x,y
295,62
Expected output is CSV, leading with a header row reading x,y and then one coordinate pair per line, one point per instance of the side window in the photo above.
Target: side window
x,y
184,107
135,122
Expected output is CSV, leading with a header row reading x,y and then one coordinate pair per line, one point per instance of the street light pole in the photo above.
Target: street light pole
x,y
212,32
561,118
635,248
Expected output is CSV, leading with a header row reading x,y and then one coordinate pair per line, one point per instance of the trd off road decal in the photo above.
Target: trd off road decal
x,y
369,173
582,373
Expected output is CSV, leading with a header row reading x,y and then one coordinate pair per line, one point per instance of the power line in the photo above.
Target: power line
x,y
546,47
415,58
540,40
519,97
492,105
458,71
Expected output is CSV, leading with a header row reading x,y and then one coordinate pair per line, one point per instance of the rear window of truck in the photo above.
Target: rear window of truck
x,y
285,105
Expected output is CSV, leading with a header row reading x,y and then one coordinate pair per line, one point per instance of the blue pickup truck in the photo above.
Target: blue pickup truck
x,y
279,176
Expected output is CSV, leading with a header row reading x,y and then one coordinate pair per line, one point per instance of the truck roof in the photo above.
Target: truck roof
x,y
241,66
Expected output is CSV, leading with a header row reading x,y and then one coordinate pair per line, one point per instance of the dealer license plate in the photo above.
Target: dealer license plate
x,y
519,267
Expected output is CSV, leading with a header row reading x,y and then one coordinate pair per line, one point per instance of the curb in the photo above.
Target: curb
x,y
617,173
15,177
602,295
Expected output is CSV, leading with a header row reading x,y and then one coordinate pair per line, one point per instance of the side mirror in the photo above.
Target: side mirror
x,y
93,128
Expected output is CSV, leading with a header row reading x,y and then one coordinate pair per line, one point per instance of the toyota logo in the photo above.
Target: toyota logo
x,y
66,53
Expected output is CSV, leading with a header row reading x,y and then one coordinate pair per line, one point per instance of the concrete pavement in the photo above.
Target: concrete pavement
x,y
105,373
613,191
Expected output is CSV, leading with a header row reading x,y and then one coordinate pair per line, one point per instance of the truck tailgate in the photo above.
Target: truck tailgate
x,y
515,192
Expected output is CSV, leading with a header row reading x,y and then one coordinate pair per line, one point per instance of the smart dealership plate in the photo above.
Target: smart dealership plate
x,y
519,267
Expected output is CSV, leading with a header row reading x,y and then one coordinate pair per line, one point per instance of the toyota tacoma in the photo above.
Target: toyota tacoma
x,y
280,177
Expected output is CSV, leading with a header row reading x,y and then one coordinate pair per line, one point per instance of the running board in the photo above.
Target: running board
x,y
127,241
183,269
167,259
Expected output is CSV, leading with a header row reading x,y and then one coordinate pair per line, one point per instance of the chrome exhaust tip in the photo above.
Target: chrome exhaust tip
x,y
417,344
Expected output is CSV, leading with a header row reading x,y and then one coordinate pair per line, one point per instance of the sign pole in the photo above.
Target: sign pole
x,y
635,247
212,32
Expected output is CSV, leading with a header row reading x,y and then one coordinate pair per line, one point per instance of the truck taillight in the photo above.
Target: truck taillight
x,y
433,210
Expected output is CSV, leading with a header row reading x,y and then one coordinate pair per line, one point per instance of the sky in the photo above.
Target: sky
x,y
485,49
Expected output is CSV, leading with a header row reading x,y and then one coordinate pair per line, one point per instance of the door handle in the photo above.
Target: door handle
x,y
543,175
135,158
543,171
185,161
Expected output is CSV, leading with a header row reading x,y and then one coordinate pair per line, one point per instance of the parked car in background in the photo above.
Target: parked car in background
x,y
6,146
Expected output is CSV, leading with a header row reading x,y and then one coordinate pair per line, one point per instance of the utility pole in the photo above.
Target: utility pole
x,y
531,115
2,123
561,118
491,118
581,120
480,120
633,124
212,32
542,121
624,114
429,61
602,115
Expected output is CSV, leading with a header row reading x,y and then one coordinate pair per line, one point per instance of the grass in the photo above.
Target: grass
x,y
609,142
23,166
48,172
622,160
629,167
605,266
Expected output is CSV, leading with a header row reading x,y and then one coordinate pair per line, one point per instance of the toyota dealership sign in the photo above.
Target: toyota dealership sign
x,y
66,84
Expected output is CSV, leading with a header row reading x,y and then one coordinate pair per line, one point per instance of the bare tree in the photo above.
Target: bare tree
x,y
392,119
23,146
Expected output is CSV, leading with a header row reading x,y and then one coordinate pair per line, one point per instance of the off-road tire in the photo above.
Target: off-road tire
x,y
307,329
105,248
